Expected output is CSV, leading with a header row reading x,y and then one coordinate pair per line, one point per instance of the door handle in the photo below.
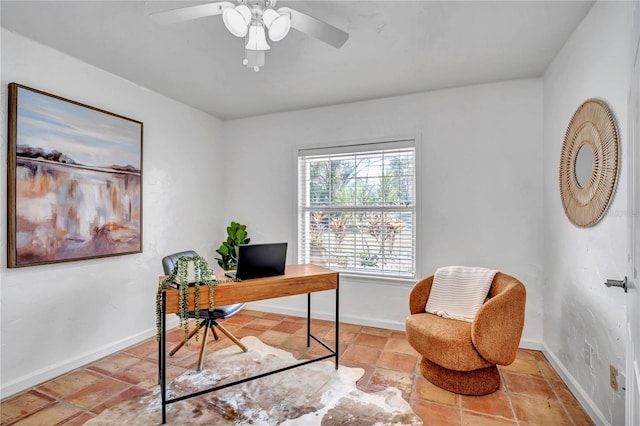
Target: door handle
x,y
617,283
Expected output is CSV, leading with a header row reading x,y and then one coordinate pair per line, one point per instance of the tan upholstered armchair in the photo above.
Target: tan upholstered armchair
x,y
460,356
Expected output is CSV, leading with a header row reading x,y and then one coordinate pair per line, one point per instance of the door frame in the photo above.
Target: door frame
x,y
632,394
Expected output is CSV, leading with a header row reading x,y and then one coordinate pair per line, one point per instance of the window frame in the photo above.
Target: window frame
x,y
417,225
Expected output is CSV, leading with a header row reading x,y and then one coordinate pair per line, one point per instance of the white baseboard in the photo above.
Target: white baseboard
x,y
42,375
329,316
583,398
50,372
535,345
532,345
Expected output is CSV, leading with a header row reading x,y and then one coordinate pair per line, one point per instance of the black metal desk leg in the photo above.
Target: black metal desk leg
x,y
163,356
308,319
159,338
337,318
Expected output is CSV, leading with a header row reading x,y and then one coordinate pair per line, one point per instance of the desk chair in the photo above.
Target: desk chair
x,y
209,318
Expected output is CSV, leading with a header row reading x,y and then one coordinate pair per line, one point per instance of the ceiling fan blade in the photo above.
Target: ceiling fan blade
x,y
174,16
315,27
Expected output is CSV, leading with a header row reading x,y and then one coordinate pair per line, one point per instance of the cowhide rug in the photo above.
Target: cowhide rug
x,y
315,394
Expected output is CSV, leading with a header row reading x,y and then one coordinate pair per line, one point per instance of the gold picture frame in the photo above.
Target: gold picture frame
x,y
74,180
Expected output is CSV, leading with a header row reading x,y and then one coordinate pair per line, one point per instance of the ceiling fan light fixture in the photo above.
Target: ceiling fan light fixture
x,y
279,27
237,19
253,59
268,16
252,19
257,39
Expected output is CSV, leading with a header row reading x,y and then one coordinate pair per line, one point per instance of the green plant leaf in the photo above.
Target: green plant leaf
x,y
228,250
179,275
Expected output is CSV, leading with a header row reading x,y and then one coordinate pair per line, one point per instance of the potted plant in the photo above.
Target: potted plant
x,y
228,250
179,277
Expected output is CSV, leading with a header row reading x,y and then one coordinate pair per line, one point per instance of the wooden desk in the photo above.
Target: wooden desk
x,y
298,279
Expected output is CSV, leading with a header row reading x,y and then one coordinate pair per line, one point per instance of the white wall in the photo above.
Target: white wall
x,y
57,317
480,186
577,306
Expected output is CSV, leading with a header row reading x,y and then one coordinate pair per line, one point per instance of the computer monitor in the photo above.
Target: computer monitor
x,y
260,260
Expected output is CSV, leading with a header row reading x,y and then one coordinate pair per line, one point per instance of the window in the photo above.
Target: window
x,y
356,208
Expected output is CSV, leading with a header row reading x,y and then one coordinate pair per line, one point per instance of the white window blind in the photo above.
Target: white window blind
x,y
356,208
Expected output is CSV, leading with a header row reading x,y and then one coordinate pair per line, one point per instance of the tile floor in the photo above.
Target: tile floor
x,y
531,392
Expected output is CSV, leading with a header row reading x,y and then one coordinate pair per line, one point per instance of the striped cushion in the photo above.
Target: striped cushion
x,y
459,291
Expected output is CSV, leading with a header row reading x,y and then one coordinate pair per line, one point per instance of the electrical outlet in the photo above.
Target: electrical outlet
x,y
588,351
613,378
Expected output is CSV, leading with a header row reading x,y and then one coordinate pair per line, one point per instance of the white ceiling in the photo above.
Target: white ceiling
x,y
395,47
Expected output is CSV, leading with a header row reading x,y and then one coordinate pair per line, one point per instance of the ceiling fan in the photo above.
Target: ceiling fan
x,y
253,19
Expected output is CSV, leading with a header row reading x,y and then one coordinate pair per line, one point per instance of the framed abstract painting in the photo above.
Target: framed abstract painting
x,y
74,180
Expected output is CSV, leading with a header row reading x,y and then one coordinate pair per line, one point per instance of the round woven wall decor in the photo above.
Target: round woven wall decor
x,y
592,124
